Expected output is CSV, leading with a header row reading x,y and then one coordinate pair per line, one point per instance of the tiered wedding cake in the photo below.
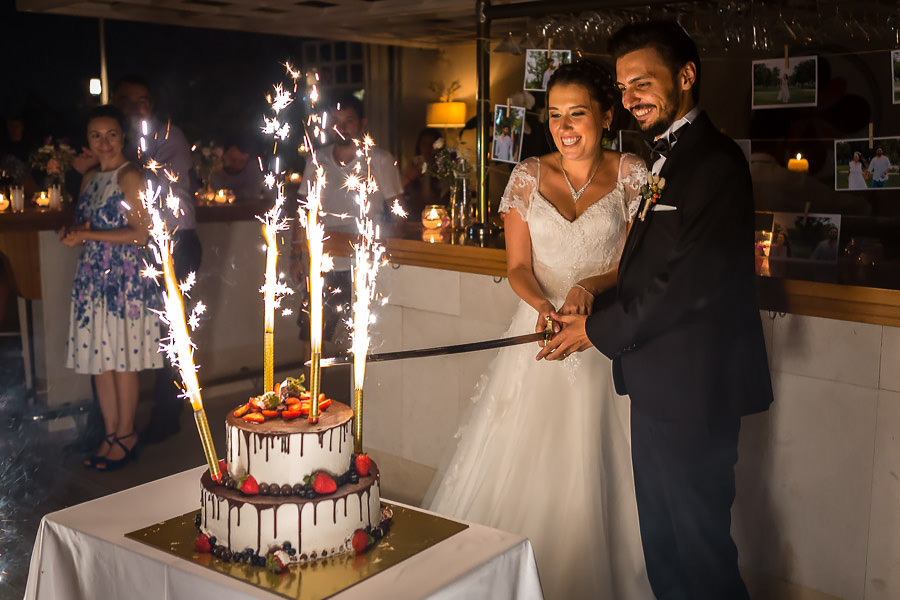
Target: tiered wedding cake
x,y
287,485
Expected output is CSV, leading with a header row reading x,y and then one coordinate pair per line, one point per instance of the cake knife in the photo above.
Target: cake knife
x,y
346,359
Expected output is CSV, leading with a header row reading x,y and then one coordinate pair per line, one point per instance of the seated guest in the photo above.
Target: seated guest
x,y
240,170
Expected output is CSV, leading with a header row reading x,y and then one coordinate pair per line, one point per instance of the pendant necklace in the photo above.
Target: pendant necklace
x,y
577,195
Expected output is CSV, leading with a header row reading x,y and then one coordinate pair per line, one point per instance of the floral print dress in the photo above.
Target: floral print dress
x,y
112,326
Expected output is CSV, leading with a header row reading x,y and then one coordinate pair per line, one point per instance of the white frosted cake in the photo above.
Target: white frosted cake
x,y
307,493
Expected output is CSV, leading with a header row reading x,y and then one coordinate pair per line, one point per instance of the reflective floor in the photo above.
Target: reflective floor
x,y
41,470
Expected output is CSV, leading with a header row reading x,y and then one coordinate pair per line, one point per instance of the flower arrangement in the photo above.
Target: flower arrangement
x,y
54,159
206,159
448,163
651,192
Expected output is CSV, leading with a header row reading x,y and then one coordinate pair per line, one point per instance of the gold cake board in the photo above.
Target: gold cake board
x,y
411,532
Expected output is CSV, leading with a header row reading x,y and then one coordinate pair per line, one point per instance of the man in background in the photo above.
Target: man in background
x,y
240,170
340,160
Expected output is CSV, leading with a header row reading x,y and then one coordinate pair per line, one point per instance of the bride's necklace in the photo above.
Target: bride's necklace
x,y
577,195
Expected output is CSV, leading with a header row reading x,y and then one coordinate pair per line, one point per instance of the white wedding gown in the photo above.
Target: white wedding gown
x,y
545,449
856,181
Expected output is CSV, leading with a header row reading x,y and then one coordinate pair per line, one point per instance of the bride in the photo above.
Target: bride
x,y
545,450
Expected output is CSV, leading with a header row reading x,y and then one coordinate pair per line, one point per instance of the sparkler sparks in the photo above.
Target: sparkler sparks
x,y
177,345
398,210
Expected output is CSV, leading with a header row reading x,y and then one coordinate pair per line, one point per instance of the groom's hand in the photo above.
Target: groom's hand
x,y
572,338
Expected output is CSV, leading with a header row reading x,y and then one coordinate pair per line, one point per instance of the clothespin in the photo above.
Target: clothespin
x,y
507,106
871,134
549,42
787,60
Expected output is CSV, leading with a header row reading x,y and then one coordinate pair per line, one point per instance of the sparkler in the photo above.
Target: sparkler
x,y
178,346
319,262
273,221
368,253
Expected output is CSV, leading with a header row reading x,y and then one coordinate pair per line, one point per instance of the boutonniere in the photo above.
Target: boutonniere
x,y
651,192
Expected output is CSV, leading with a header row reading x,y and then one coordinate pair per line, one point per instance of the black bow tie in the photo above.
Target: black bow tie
x,y
662,146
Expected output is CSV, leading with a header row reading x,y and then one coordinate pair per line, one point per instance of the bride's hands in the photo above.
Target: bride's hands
x,y
578,302
543,315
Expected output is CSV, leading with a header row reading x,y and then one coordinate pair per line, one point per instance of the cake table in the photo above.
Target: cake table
x,y
83,552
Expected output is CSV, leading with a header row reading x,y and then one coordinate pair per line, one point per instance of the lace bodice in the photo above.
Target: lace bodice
x,y
562,251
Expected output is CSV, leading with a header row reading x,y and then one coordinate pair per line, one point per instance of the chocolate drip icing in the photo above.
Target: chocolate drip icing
x,y
300,526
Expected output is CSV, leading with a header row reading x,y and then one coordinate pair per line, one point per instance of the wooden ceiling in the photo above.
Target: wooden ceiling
x,y
421,23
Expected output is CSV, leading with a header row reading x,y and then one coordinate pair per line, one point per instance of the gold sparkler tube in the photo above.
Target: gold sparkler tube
x,y
269,232
315,373
269,361
357,420
208,449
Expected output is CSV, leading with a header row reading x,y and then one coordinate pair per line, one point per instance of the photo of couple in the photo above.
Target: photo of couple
x,y
860,165
647,280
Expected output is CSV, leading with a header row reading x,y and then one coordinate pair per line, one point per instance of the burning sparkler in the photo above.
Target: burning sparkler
x,y
273,221
368,254
178,346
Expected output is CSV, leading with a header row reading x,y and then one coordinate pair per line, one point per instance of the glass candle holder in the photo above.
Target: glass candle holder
x,y
435,217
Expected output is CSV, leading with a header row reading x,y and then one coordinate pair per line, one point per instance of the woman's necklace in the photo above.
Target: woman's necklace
x,y
577,195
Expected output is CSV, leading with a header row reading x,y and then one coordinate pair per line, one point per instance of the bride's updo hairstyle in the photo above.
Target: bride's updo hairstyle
x,y
595,78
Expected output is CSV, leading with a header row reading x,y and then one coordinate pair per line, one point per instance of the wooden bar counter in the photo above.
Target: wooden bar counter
x,y
411,245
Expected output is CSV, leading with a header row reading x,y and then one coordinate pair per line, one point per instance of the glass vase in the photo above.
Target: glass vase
x,y
460,210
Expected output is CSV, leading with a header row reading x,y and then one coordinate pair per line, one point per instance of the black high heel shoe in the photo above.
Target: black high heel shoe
x,y
91,461
105,464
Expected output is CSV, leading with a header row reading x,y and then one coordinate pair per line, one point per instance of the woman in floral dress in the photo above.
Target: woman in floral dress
x,y
113,331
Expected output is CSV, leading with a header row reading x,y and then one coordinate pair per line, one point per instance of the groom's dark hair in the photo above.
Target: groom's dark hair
x,y
668,38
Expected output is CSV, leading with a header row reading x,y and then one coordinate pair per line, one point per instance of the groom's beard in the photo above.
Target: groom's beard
x,y
666,117
659,126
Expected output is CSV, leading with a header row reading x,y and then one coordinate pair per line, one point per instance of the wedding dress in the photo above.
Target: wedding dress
x,y
856,180
545,449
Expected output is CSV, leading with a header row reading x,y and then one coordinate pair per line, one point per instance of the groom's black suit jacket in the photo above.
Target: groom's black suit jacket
x,y
683,326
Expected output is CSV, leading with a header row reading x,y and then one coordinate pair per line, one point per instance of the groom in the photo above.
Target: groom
x,y
682,327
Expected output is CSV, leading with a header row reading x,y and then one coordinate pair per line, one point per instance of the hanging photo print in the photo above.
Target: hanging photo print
x,y
857,166
540,64
509,122
785,82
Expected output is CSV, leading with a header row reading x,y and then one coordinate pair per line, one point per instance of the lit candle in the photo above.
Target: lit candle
x,y
42,200
434,217
220,197
294,177
798,164
4,202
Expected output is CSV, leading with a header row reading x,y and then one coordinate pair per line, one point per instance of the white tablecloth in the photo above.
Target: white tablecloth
x,y
82,552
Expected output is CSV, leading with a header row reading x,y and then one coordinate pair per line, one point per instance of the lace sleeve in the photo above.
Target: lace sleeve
x,y
632,174
522,183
